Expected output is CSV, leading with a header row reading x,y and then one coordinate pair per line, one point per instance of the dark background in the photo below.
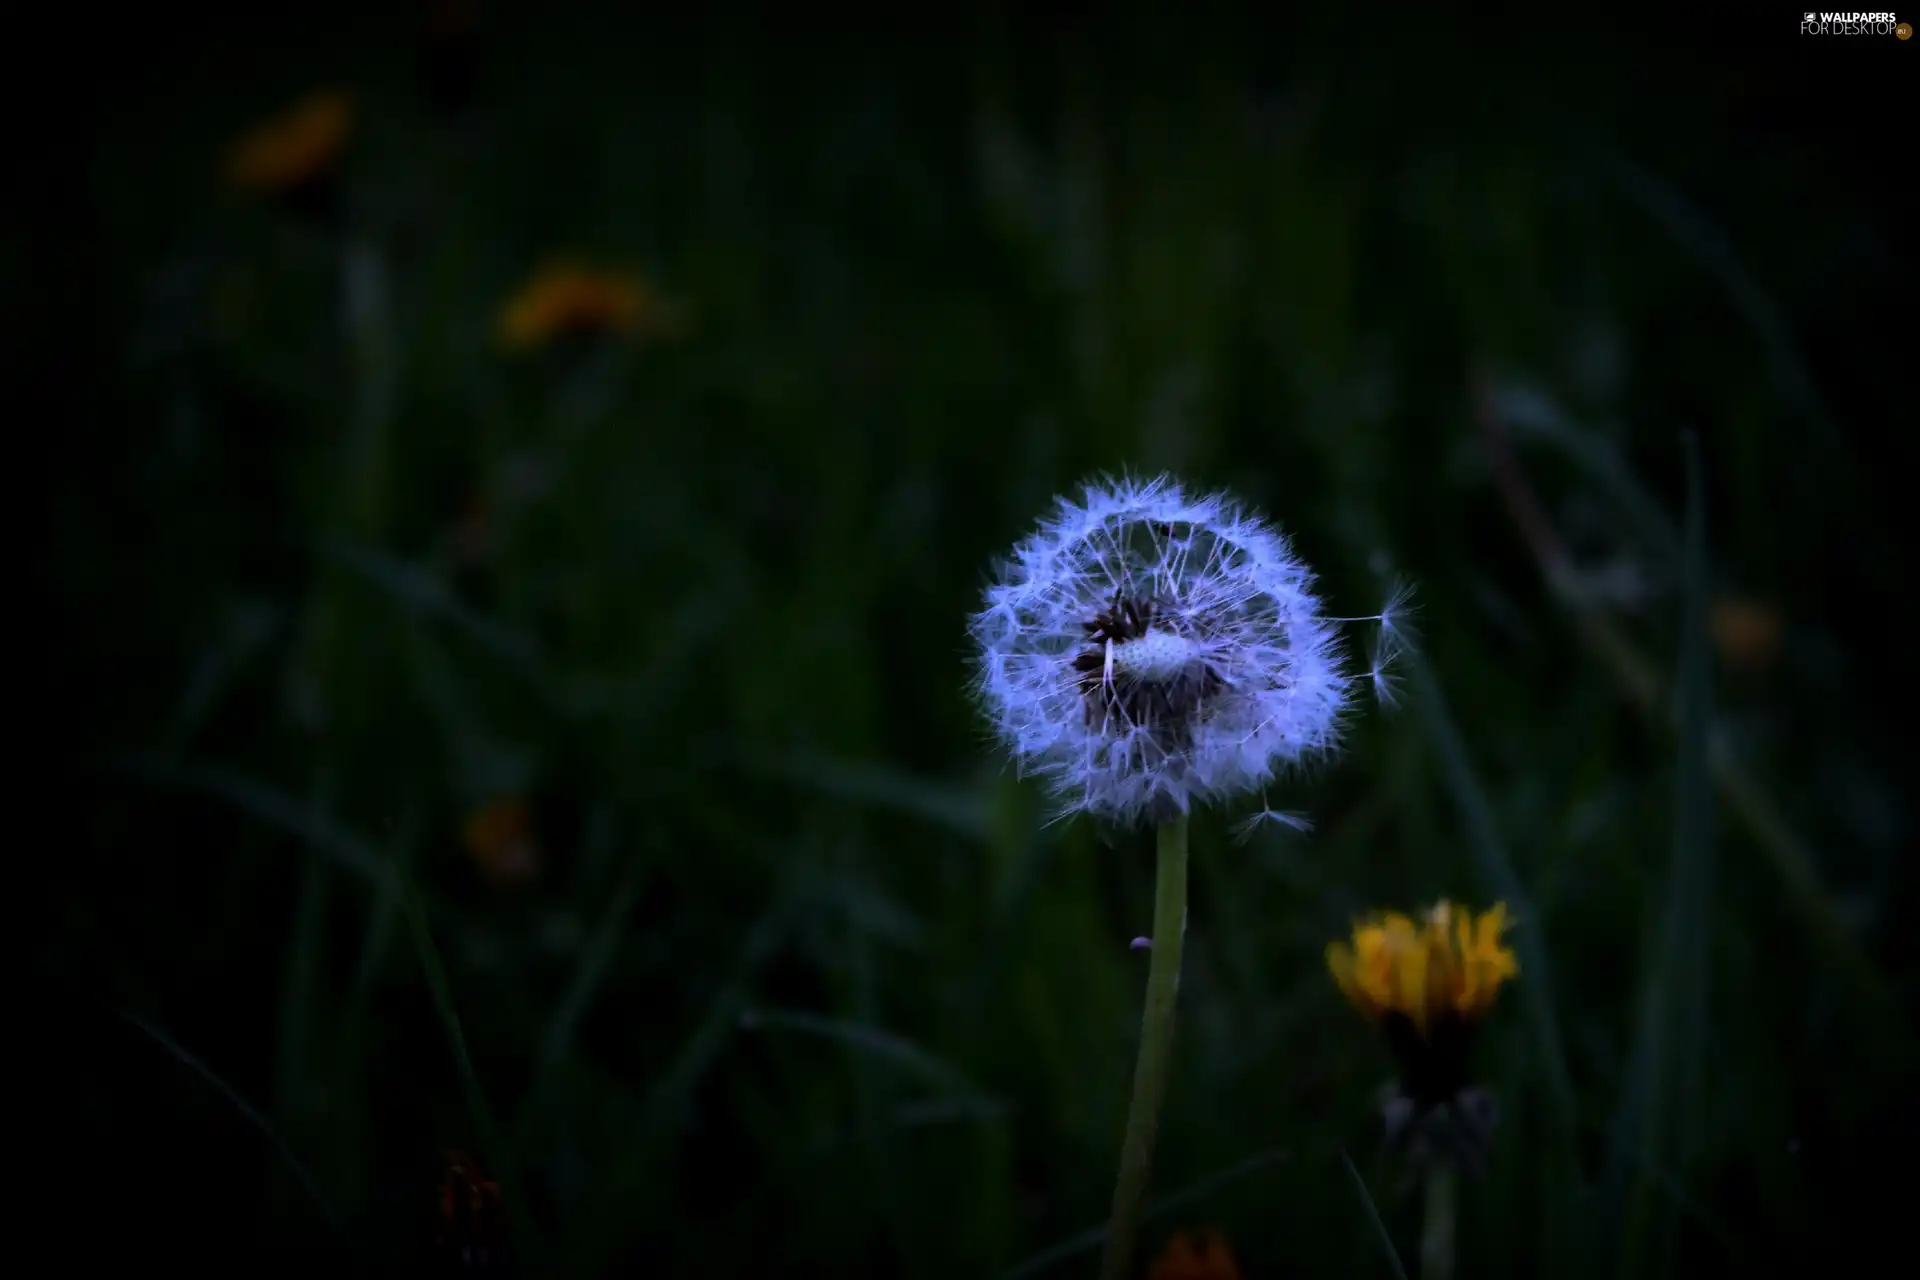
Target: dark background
x,y
714,637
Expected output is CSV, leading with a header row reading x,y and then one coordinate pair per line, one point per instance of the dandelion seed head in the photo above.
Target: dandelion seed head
x,y
1145,650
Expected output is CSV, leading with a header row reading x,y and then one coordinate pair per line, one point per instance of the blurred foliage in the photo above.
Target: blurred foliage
x,y
620,679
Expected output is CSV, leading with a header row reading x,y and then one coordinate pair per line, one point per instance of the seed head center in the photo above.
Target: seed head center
x,y
1158,657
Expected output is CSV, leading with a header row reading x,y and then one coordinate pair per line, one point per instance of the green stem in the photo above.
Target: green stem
x,y
1156,1047
1436,1236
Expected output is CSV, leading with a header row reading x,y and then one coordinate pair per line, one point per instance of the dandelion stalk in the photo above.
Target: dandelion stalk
x,y
1436,1232
1156,1046
1147,650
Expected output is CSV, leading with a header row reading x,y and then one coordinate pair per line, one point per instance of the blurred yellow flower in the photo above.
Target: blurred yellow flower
x,y
295,148
1448,965
1427,983
1747,632
499,838
569,298
1188,1258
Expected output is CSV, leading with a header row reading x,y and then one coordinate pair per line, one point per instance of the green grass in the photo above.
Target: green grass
x,y
308,1183
1373,1217
806,976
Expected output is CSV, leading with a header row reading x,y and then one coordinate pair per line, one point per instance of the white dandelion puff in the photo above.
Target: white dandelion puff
x,y
1146,650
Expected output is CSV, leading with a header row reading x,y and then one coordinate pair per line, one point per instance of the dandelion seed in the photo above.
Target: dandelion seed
x,y
1395,638
1397,616
1244,830
1146,650
1380,673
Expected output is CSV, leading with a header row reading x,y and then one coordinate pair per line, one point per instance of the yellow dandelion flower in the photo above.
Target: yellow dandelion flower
x,y
569,298
499,838
294,149
1451,963
1427,983
1187,1257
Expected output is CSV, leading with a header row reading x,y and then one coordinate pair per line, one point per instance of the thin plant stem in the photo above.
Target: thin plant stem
x,y
1436,1233
1156,1047
1638,679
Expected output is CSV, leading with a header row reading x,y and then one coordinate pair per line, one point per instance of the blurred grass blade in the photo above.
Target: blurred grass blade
x,y
940,1111
1663,1091
589,972
276,808
1499,878
426,595
874,1042
1093,1237
1890,1027
595,957
591,1246
1638,679
366,316
1712,249
1685,1202
302,1091
1531,412
300,1171
385,920
479,1112
1692,914
356,1070
513,1190
868,908
1373,1216
242,639
272,806
959,807
769,933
